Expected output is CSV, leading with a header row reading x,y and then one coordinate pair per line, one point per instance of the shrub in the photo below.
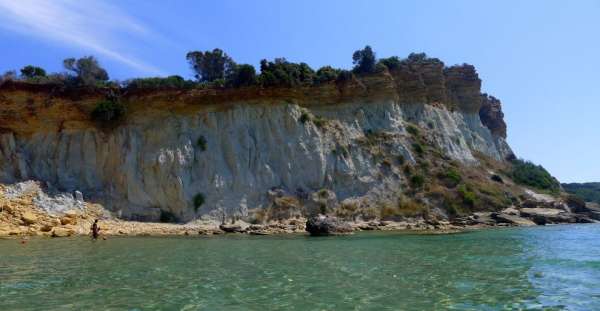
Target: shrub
x,y
281,73
527,173
201,142
417,57
211,65
453,177
305,117
108,111
344,76
391,62
31,72
417,181
198,201
243,75
467,195
326,74
418,149
87,70
497,178
364,60
401,160
413,130
319,121
175,82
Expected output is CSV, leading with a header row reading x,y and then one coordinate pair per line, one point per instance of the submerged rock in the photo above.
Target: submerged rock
x,y
325,225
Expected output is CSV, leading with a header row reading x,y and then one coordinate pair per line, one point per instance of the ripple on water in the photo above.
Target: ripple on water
x,y
550,268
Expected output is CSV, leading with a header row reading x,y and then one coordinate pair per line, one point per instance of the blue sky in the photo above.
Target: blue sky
x,y
541,58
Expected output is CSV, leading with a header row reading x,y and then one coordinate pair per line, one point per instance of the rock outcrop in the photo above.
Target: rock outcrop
x,y
323,225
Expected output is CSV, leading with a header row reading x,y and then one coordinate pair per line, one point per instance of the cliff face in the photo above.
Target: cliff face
x,y
240,148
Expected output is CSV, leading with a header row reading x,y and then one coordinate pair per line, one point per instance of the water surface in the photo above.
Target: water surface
x,y
541,268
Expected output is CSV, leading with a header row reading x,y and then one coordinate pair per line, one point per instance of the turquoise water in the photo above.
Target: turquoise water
x,y
542,268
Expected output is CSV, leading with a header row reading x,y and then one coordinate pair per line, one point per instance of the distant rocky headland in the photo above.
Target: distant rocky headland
x,y
393,144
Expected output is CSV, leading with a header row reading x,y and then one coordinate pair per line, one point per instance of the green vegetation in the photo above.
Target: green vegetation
x,y
242,75
391,62
418,149
198,201
589,192
281,73
529,174
210,66
413,130
32,72
201,142
469,198
305,117
326,74
319,121
364,60
108,111
86,70
170,82
417,181
344,76
214,69
452,177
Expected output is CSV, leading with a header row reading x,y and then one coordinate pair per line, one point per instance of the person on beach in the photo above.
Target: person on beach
x,y
95,230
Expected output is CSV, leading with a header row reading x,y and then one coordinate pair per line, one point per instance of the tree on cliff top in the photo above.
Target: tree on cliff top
x,y
364,60
282,73
31,72
211,65
87,70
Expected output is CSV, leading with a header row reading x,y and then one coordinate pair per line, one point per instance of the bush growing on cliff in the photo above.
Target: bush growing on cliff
x,y
87,71
242,75
211,65
326,74
32,72
417,181
391,62
467,195
364,60
527,173
170,82
418,149
108,111
281,73
344,76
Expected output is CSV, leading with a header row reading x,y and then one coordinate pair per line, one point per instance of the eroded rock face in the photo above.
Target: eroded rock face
x,y
492,116
150,165
323,225
301,141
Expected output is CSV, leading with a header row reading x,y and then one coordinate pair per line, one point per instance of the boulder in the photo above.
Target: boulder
x,y
512,219
325,225
62,232
29,218
543,216
232,228
65,220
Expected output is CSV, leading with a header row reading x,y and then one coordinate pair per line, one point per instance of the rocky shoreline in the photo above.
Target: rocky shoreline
x,y
27,211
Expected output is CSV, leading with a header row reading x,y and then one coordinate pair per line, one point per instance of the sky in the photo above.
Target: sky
x,y
540,58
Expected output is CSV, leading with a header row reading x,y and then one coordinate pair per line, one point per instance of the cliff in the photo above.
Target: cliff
x,y
357,145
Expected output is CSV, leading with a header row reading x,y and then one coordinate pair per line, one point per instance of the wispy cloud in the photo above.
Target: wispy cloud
x,y
93,25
